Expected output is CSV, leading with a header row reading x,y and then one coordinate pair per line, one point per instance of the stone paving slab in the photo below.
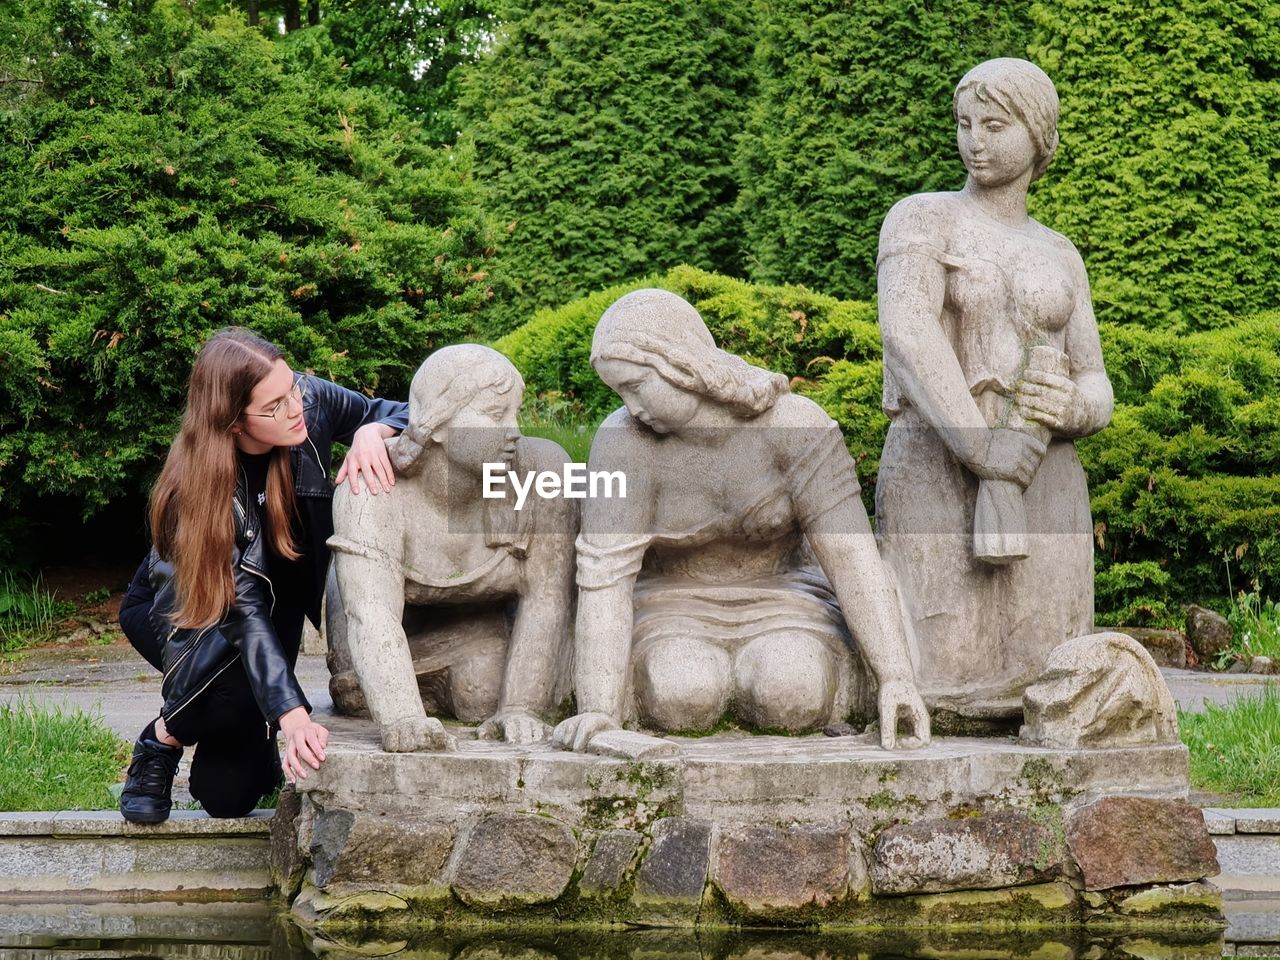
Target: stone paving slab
x,y
1254,820
1191,689
1253,921
1249,862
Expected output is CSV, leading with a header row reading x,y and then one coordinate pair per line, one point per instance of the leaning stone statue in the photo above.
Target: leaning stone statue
x,y
739,574
993,368
452,603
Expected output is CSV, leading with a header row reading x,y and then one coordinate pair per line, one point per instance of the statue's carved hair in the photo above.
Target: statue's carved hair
x,y
446,382
661,331
1022,89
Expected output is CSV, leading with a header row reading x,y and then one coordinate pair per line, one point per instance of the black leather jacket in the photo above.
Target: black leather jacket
x,y
192,658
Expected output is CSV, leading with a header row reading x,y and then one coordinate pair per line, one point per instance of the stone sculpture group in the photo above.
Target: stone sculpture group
x,y
739,579
739,583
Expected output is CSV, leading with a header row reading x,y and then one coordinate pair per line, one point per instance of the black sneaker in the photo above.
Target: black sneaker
x,y
149,783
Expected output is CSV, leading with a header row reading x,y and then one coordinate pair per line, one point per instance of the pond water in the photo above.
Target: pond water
x,y
261,932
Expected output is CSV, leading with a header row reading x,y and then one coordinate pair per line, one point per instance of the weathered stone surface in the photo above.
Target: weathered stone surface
x,y
995,850
1168,648
1051,902
1249,863
1099,690
512,860
1209,632
1125,841
1257,820
328,837
366,848
631,745
1175,897
1263,665
675,868
768,871
135,867
610,858
287,865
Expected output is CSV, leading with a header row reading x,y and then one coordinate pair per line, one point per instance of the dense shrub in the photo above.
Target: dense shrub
x,y
165,177
604,131
853,113
1186,480
1168,179
1185,483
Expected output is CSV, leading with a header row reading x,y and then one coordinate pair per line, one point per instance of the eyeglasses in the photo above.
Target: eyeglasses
x,y
281,408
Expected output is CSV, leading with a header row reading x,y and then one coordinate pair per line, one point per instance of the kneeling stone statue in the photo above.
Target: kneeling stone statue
x,y
449,602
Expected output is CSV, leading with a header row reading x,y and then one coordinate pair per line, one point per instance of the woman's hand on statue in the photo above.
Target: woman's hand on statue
x,y
1009,455
514,726
305,741
368,457
900,700
1050,399
576,732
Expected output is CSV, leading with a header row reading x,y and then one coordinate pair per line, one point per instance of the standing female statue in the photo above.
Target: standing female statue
x,y
732,575
992,368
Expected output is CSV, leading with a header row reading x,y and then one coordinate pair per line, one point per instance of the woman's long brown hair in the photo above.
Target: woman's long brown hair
x,y
191,512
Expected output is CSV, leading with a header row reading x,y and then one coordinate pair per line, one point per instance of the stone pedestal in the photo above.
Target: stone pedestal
x,y
743,830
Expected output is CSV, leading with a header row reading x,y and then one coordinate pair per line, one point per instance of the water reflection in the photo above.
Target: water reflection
x,y
257,932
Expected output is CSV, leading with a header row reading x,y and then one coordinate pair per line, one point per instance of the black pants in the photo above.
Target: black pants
x,y
236,762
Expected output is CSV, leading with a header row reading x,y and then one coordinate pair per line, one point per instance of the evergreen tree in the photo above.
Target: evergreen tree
x,y
604,130
1168,177
412,51
164,177
854,113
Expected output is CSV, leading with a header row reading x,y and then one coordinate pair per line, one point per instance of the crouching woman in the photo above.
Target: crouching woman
x,y
239,520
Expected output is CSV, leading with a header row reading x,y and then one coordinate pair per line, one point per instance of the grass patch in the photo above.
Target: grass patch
x,y
55,759
1255,626
1235,749
28,612
553,416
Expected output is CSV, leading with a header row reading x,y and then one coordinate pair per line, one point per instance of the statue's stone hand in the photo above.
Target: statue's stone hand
x,y
1051,399
1009,455
576,732
899,699
416,734
513,726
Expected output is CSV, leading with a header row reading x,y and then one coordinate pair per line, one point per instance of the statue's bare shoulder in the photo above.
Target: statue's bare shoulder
x,y
921,218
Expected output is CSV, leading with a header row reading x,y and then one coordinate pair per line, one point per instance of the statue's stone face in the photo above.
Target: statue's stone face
x,y
484,431
996,146
653,401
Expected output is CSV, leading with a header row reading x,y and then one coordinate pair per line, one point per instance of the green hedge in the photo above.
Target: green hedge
x,y
604,132
1185,483
165,176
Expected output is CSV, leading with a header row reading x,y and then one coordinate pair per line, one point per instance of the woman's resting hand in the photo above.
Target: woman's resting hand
x,y
305,741
1009,455
1050,399
576,732
900,699
368,457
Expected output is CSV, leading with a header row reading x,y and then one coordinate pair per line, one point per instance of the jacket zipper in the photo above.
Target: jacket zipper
x,y
221,670
248,569
185,653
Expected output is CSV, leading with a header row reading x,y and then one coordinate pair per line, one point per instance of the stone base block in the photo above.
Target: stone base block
x,y
730,831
